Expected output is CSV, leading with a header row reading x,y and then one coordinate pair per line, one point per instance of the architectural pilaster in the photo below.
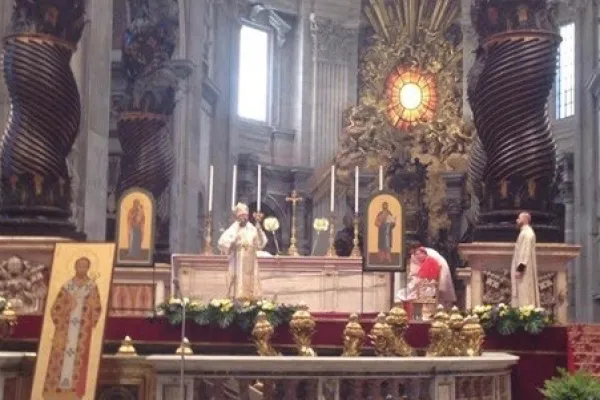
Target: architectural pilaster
x,y
92,69
469,45
334,85
586,165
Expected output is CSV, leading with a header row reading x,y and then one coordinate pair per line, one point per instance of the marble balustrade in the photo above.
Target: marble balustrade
x,y
327,378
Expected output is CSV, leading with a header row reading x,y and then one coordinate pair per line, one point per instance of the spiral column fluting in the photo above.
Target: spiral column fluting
x,y
42,126
509,102
148,158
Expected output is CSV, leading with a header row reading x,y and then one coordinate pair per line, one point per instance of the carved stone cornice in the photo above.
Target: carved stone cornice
x,y
262,14
334,42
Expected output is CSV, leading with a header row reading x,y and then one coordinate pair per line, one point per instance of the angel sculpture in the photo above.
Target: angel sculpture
x,y
22,284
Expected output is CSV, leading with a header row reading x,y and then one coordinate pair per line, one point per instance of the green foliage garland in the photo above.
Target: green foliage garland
x,y
226,312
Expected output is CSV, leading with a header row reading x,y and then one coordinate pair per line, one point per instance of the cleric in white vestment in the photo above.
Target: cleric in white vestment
x,y
525,290
242,241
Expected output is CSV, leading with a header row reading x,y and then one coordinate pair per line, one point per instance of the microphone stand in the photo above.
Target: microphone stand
x,y
183,320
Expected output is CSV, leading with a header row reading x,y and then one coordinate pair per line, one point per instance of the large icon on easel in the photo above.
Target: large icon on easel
x,y
70,346
136,228
384,244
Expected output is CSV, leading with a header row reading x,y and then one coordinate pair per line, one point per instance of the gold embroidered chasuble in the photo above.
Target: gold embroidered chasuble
x,y
242,244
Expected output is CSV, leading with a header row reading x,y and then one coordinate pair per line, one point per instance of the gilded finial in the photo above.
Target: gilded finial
x,y
397,319
354,337
381,336
456,324
440,335
262,333
8,311
473,335
126,348
302,328
185,348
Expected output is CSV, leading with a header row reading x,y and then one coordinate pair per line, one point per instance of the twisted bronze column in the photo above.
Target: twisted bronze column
x,y
508,92
148,157
44,118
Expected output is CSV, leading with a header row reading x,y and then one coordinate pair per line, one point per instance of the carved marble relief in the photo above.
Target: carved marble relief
x,y
497,288
23,284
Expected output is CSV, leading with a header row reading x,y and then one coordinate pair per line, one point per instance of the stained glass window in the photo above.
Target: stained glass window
x,y
411,97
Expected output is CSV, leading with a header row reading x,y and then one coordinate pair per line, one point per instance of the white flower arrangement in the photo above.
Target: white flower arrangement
x,y
271,224
321,224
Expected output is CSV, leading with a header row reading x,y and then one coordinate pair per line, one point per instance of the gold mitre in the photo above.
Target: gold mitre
x,y
241,209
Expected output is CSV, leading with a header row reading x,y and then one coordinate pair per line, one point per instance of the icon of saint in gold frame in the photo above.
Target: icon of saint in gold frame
x,y
136,228
384,244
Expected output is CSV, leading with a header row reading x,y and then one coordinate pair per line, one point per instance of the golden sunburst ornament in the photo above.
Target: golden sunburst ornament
x,y
411,97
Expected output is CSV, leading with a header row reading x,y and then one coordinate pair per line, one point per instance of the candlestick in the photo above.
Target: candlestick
x,y
259,188
234,187
331,250
332,195
210,188
381,178
208,248
294,199
355,248
356,190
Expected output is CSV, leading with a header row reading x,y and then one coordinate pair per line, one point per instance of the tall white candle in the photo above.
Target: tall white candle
x,y
210,188
234,187
332,199
356,190
259,188
380,177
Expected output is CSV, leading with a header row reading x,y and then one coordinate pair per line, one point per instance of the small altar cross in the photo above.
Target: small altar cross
x,y
294,199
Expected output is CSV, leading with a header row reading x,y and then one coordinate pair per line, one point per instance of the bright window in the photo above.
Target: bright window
x,y
253,76
565,73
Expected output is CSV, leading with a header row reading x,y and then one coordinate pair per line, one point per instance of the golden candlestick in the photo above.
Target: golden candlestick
x,y
208,248
331,250
294,199
356,249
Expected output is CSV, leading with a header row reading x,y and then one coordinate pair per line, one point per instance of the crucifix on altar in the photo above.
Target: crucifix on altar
x,y
294,199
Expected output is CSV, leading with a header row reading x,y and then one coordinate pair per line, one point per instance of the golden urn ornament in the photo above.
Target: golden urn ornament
x,y
456,324
354,337
126,348
473,335
185,348
8,320
381,336
302,328
397,319
440,335
262,334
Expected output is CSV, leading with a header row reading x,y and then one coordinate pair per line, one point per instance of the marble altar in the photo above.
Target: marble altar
x,y
325,284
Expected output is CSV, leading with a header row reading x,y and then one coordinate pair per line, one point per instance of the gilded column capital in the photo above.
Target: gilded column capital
x,y
334,41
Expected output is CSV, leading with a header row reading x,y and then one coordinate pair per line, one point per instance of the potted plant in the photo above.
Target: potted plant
x,y
577,386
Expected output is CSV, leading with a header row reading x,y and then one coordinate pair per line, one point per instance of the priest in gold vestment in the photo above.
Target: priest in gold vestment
x,y
524,277
75,312
242,241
